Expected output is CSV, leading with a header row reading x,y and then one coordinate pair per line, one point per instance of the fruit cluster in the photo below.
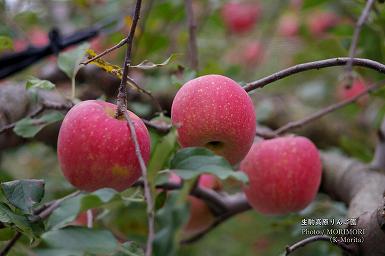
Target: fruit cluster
x,y
95,149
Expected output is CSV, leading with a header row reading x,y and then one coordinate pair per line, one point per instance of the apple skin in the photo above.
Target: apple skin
x,y
358,86
214,111
240,17
200,214
320,22
95,150
284,174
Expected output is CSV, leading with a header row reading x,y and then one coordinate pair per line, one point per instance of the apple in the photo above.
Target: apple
x,y
346,93
200,214
320,22
252,53
214,111
284,174
240,17
95,150
288,25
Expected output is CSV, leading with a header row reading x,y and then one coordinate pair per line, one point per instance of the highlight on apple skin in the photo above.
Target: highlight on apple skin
x,y
284,174
95,150
214,111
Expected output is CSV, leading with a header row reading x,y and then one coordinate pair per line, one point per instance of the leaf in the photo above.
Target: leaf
x,y
69,209
40,84
57,252
160,200
65,213
81,239
69,61
24,194
5,43
115,70
189,163
146,64
170,218
29,127
130,249
7,216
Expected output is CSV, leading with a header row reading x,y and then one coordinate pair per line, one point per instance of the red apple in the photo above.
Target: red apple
x,y
200,214
240,17
284,174
214,111
288,25
252,53
320,22
346,93
95,150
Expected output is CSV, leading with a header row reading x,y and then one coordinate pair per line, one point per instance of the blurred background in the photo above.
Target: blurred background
x,y
244,40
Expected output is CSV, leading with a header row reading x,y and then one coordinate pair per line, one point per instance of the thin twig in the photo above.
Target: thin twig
x,y
147,190
353,46
322,112
117,46
42,213
55,204
122,95
161,128
306,241
340,61
235,204
10,244
193,49
43,106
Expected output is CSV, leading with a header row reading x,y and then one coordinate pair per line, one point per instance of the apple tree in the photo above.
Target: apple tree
x,y
194,127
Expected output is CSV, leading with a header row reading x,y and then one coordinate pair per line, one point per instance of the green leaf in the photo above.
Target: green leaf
x,y
57,252
146,64
8,217
5,43
189,163
70,208
29,127
65,213
69,61
98,198
81,239
160,200
34,82
170,218
24,194
6,234
130,249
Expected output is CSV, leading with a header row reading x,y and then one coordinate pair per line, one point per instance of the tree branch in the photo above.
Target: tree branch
x,y
10,244
122,95
147,187
42,213
306,241
341,61
193,49
322,112
353,46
